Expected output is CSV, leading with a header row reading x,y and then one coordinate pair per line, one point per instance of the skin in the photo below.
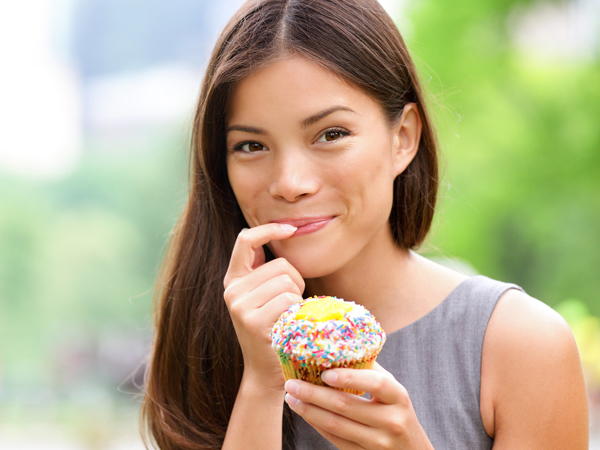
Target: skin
x,y
341,166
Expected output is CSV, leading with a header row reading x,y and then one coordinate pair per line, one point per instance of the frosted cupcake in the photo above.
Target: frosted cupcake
x,y
321,333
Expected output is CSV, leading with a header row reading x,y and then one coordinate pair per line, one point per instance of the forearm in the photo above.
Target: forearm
x,y
256,420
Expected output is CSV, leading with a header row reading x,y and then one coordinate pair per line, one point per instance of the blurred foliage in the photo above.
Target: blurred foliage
x,y
520,138
80,255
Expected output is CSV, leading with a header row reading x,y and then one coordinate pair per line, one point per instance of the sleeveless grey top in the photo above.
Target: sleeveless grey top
x,y
437,359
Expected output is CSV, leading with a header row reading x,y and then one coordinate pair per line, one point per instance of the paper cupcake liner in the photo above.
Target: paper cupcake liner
x,y
309,371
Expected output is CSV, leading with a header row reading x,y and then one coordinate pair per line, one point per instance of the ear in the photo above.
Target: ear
x,y
406,137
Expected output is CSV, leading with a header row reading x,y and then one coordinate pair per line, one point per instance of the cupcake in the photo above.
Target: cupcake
x,y
321,333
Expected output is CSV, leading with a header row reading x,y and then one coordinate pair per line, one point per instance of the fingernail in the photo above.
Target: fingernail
x,y
329,376
287,227
291,400
292,386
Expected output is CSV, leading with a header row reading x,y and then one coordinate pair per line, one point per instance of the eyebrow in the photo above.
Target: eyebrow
x,y
305,123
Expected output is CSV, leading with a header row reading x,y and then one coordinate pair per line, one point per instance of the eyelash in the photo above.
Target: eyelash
x,y
341,131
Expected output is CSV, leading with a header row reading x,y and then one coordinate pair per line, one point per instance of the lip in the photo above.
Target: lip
x,y
306,225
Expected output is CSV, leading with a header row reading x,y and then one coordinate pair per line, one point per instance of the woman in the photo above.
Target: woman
x,y
314,171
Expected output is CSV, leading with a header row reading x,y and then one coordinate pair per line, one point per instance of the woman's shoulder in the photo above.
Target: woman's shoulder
x,y
526,330
518,314
530,370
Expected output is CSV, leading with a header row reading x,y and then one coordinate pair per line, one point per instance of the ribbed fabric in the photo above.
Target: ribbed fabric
x,y
438,360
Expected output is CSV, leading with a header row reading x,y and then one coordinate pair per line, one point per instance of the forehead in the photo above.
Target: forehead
x,y
294,87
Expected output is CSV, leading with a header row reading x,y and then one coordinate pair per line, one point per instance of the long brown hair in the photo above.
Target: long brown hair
x,y
196,363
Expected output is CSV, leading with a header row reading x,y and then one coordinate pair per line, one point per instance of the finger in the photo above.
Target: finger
x,y
333,424
248,288
341,444
380,385
358,409
274,308
273,287
378,368
255,279
249,239
259,257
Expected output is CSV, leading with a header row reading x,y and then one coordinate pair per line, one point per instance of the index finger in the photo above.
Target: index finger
x,y
378,368
249,239
382,386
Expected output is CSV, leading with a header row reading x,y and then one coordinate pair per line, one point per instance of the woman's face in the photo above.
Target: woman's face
x,y
307,148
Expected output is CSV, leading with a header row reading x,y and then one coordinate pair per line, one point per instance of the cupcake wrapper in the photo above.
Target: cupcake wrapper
x,y
301,370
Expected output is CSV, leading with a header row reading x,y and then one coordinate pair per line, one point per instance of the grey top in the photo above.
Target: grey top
x,y
437,359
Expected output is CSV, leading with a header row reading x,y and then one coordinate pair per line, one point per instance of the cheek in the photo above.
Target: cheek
x,y
246,189
366,182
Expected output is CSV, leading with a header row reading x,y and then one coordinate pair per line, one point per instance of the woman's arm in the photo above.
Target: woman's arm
x,y
533,393
256,420
257,293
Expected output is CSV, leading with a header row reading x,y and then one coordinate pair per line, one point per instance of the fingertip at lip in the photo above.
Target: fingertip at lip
x,y
288,227
299,222
305,225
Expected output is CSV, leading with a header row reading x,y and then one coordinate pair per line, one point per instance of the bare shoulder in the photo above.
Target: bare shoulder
x,y
532,392
526,321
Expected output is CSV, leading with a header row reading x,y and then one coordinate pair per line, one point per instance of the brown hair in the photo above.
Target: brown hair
x,y
196,365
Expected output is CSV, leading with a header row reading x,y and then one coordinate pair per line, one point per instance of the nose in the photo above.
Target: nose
x,y
295,176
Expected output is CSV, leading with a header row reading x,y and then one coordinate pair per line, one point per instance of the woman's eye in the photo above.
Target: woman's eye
x,y
332,135
250,147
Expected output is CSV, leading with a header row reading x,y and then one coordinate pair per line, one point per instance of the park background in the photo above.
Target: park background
x,y
96,103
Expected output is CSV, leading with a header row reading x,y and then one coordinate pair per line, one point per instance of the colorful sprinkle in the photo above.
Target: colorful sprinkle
x,y
352,337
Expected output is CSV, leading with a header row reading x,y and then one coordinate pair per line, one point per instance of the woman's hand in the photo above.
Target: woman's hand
x,y
386,421
257,293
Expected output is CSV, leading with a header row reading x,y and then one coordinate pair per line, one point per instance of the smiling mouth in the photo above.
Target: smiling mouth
x,y
307,225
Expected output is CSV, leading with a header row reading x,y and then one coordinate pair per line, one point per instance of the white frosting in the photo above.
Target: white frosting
x,y
359,336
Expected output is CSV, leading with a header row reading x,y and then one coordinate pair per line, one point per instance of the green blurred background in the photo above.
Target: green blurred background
x,y
95,107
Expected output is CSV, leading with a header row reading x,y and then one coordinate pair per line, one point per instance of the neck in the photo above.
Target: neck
x,y
377,278
396,285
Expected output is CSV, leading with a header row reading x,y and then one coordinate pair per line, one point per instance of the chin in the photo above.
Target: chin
x,y
307,261
311,271
308,269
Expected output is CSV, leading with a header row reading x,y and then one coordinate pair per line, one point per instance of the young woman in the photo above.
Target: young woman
x,y
314,172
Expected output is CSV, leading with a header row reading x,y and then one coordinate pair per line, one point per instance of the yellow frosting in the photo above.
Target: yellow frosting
x,y
327,308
